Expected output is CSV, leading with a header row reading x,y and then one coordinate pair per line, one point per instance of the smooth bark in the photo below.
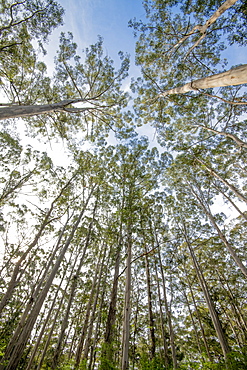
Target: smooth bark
x,y
51,310
233,77
232,203
230,186
150,309
193,323
83,333
14,278
168,315
17,344
127,306
220,233
213,313
162,323
198,317
93,311
239,142
16,111
203,28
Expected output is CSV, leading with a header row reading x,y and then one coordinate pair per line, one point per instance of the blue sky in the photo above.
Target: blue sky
x,y
87,19
108,18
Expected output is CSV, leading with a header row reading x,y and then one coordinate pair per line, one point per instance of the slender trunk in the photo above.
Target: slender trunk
x,y
135,320
127,307
234,304
37,289
111,317
233,77
162,319
230,186
113,301
77,322
72,295
232,203
198,317
90,328
214,316
86,319
203,28
21,336
93,351
64,325
14,277
150,309
221,235
168,315
51,330
51,310
238,141
193,323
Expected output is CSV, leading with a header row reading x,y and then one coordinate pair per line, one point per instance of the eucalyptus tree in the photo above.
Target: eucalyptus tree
x,y
22,24
171,29
83,189
132,171
42,167
194,197
90,80
17,344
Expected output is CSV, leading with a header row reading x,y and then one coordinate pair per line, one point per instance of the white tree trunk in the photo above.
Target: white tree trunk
x,y
235,76
15,111
203,28
126,323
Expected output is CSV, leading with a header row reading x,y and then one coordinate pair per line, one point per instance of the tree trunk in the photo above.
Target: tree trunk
x,y
86,319
203,28
168,315
229,200
45,222
16,111
193,323
127,307
230,186
235,76
16,346
221,235
150,309
238,141
51,310
162,319
64,325
234,304
72,294
214,316
198,317
96,331
90,328
113,301
51,332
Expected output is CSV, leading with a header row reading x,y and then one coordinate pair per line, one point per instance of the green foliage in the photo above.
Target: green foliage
x,y
21,23
164,204
157,363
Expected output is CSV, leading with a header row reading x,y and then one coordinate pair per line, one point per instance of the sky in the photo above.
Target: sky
x,y
88,19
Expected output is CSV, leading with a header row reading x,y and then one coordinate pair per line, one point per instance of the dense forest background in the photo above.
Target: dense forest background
x,y
126,257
